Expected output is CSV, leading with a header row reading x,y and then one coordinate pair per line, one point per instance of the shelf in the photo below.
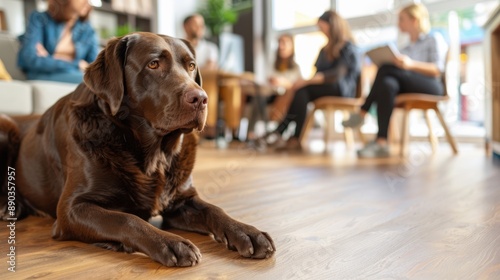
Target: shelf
x,y
107,7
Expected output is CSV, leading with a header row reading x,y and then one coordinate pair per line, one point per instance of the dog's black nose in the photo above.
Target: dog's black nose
x,y
197,98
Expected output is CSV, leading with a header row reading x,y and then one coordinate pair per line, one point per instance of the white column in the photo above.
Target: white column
x,y
258,41
165,23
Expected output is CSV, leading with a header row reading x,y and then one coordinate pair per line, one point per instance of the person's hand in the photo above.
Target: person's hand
x,y
280,82
83,65
299,84
41,51
403,62
273,81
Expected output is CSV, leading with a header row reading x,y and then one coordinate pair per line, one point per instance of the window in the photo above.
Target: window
x,y
287,14
307,47
357,8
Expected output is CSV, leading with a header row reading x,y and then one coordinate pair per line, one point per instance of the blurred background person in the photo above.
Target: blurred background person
x,y
417,69
207,53
58,44
283,74
338,67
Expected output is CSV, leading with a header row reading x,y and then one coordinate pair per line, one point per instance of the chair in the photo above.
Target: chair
x,y
425,102
330,104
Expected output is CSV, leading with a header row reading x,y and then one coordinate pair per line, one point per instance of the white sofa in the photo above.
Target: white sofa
x,y
21,97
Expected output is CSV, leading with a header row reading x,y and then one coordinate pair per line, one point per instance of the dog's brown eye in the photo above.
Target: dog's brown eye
x,y
153,65
192,66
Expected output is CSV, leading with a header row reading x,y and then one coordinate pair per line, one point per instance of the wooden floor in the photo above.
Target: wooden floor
x,y
331,216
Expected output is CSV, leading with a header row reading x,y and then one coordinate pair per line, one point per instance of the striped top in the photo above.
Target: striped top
x,y
428,48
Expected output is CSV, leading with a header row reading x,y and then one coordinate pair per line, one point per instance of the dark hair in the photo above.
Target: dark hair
x,y
190,17
339,34
288,62
60,10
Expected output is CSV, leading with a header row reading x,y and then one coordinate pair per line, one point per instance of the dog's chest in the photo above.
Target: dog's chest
x,y
170,192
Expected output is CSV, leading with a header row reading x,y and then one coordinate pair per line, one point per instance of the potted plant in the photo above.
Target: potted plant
x,y
217,15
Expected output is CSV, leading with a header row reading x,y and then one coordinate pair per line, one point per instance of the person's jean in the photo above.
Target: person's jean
x,y
391,81
297,111
74,77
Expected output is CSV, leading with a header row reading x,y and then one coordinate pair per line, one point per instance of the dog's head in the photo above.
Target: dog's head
x,y
153,77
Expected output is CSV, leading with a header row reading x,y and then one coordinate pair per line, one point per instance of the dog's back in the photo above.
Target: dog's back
x,y
12,130
9,146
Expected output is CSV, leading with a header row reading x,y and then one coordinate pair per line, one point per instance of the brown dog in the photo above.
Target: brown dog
x,y
119,150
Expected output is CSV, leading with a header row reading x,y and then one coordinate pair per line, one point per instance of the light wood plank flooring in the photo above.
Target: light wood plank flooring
x,y
331,216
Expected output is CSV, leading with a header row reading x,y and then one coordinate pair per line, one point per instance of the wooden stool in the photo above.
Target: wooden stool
x,y
330,104
425,102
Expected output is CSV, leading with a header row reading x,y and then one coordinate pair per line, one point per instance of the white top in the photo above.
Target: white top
x,y
205,52
429,47
291,75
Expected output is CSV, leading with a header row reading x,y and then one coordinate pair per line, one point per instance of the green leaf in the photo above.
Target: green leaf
x,y
217,15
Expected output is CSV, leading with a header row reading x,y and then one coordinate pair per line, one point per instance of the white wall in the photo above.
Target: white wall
x,y
475,85
14,12
102,20
170,15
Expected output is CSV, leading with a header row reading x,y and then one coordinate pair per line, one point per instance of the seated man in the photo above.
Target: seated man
x,y
207,55
217,83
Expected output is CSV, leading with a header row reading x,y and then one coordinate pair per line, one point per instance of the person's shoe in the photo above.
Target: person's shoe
x,y
291,145
270,140
374,150
354,120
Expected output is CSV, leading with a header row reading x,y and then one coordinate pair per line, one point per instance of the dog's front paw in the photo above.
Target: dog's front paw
x,y
178,253
247,240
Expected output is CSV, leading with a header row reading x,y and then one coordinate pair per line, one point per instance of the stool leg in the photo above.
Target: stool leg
x,y
329,126
348,133
307,127
395,136
361,135
432,137
406,133
453,145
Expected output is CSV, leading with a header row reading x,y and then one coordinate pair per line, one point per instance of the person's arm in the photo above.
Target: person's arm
x,y
210,65
28,59
424,68
318,78
347,60
213,57
286,79
436,59
93,47
86,47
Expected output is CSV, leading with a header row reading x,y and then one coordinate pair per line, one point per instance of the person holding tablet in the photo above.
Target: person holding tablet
x,y
417,69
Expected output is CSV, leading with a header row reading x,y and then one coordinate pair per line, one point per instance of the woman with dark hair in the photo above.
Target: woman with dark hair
x,y
283,74
337,70
58,44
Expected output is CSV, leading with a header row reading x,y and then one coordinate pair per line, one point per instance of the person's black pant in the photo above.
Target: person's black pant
x,y
298,108
391,81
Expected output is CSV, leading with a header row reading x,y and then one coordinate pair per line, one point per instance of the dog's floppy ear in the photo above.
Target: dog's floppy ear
x,y
198,78
105,76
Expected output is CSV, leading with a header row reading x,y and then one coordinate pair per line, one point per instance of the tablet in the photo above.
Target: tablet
x,y
383,55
